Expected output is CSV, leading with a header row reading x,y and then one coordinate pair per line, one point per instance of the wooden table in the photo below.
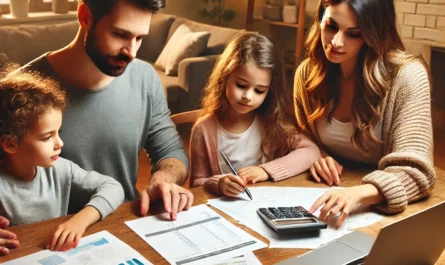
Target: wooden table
x,y
34,236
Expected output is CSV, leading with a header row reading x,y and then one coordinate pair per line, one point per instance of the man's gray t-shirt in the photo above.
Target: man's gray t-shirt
x,y
48,194
104,129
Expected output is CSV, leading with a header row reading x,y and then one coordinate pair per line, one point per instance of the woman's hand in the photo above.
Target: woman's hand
x,y
231,185
345,200
253,174
328,169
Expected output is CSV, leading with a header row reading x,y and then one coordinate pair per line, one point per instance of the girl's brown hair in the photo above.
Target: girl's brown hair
x,y
258,50
316,86
24,97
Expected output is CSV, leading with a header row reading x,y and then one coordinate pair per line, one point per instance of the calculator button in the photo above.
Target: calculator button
x,y
296,213
277,213
304,212
301,209
267,213
286,212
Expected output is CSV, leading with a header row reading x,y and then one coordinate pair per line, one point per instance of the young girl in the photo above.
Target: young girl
x,y
35,182
362,97
244,115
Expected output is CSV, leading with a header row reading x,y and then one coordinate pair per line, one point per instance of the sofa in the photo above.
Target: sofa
x,y
21,44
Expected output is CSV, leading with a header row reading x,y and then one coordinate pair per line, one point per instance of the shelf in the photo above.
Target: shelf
x,y
274,29
280,23
277,23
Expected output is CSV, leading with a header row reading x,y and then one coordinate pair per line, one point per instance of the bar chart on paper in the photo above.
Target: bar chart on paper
x,y
101,248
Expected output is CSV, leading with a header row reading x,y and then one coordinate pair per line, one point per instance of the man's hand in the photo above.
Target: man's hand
x,y
7,239
176,198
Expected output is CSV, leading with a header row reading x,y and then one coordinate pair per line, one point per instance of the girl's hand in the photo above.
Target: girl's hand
x,y
253,174
67,236
329,169
345,200
231,185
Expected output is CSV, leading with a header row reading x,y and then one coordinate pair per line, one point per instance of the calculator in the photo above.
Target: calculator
x,y
285,220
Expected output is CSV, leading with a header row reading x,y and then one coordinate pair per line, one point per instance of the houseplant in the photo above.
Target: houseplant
x,y
216,12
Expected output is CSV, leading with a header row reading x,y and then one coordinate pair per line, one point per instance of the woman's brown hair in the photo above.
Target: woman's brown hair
x,y
260,51
316,89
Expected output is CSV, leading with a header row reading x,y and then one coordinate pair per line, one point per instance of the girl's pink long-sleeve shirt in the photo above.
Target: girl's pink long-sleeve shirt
x,y
205,168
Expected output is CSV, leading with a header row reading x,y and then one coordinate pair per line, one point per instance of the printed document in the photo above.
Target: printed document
x,y
243,210
198,236
246,259
101,248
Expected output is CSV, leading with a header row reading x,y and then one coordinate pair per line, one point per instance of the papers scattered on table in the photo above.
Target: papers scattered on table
x,y
244,211
99,249
198,236
246,259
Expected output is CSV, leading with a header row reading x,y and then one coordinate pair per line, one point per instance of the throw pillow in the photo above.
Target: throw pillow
x,y
3,59
183,44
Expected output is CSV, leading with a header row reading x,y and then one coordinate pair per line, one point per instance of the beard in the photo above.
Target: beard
x,y
102,60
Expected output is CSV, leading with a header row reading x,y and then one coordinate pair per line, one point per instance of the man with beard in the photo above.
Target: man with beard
x,y
117,104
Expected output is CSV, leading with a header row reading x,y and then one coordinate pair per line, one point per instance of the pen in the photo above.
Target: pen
x,y
234,173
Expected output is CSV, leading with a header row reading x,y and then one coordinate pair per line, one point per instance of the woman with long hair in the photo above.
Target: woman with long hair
x,y
361,97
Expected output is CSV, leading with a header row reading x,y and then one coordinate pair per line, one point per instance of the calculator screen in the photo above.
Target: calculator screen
x,y
294,221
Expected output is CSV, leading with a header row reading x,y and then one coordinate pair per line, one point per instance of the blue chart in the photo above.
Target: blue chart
x,y
86,247
51,260
132,262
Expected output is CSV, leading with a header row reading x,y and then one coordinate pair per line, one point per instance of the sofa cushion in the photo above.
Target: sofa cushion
x,y
154,42
171,86
183,44
3,59
26,42
219,36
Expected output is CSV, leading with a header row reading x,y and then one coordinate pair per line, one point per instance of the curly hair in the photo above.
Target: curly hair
x,y
24,97
256,49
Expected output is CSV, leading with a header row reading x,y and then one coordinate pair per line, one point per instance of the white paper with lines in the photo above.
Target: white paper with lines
x,y
198,236
244,210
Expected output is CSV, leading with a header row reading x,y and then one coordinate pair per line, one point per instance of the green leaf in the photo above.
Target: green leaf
x,y
204,13
228,15
215,12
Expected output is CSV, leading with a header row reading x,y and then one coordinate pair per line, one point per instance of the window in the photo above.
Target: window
x,y
36,5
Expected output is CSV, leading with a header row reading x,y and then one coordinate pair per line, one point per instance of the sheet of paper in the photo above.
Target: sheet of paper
x,y
198,236
244,211
101,248
246,259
